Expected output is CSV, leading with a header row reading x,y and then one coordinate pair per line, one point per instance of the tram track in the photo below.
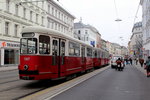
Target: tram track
x,y
9,81
8,77
12,88
15,89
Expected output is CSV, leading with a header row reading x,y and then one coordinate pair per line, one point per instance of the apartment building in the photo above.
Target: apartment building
x,y
136,41
88,34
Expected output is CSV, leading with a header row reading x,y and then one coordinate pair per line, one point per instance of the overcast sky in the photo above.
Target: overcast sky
x,y
102,15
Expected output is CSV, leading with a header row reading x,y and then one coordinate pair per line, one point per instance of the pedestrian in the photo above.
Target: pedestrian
x,y
130,60
136,61
141,61
119,64
127,61
147,66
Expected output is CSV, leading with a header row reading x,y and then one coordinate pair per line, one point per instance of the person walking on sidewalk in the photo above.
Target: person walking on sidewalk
x,y
136,61
147,66
130,60
141,61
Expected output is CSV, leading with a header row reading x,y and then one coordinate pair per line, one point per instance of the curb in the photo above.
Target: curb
x,y
4,69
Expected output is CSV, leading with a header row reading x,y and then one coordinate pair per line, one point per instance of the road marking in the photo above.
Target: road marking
x,y
51,92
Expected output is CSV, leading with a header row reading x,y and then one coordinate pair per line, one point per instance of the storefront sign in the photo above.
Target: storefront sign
x,y
9,44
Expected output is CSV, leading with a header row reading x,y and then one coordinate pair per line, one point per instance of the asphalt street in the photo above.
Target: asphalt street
x,y
129,84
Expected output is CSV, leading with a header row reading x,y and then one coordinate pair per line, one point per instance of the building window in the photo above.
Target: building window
x,y
62,17
6,28
59,15
16,30
48,23
86,32
24,12
7,5
37,3
61,28
52,25
56,13
58,27
31,15
67,21
37,18
16,9
52,11
42,20
48,8
42,4
55,26
87,38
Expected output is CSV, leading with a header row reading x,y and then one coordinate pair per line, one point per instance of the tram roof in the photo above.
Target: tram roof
x,y
46,31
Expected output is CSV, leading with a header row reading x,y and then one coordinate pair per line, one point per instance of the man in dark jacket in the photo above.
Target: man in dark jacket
x,y
119,64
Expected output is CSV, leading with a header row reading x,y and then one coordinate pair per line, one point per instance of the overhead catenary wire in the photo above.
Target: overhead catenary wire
x,y
136,14
116,8
118,20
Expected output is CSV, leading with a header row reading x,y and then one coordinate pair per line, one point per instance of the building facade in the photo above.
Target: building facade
x,y
88,34
17,14
146,27
136,41
116,49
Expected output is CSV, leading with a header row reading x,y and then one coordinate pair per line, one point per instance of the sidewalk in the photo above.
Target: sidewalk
x,y
138,66
8,68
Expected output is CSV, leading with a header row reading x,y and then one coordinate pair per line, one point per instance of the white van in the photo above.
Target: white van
x,y
113,60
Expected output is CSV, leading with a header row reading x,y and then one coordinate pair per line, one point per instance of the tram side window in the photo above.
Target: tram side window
x,y
62,48
44,44
102,55
98,54
74,49
55,48
28,46
89,52
95,53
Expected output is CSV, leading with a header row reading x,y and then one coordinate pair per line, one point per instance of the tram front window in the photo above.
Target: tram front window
x,y
44,44
28,46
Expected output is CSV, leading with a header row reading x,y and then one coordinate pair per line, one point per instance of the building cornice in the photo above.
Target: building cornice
x,y
52,2
18,19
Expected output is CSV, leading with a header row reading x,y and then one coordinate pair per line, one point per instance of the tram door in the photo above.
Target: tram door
x,y
62,68
58,55
83,57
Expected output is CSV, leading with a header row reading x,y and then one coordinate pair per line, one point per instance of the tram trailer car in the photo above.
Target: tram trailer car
x,y
49,54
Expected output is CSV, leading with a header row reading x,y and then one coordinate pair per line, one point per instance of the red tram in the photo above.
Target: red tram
x,y
49,54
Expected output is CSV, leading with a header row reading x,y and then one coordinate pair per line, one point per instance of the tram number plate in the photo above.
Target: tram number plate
x,y
25,77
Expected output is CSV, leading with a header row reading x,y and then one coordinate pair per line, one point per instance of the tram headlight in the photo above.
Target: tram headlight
x,y
26,67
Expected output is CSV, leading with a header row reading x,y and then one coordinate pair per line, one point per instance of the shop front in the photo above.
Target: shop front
x,y
9,53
